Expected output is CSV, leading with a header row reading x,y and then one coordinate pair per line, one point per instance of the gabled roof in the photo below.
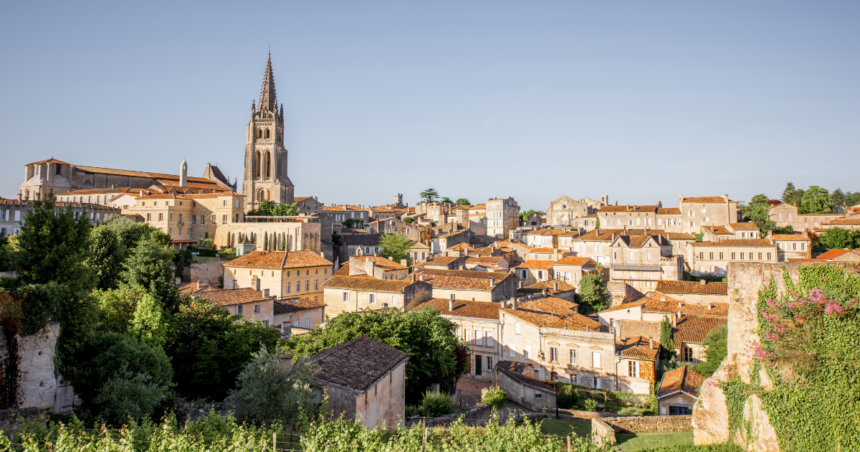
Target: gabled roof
x,y
277,260
745,225
833,254
537,264
704,199
550,286
692,287
463,308
682,379
379,262
578,261
669,211
792,237
512,370
693,329
553,313
638,348
737,242
230,297
358,364
442,260
661,303
367,283
601,235
463,279
287,306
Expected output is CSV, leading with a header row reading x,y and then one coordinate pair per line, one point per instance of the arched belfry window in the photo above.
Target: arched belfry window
x,y
259,133
268,165
267,133
257,171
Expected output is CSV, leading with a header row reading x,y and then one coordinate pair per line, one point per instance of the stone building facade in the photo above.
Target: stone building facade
x,y
280,273
564,210
12,213
502,217
698,211
712,258
265,156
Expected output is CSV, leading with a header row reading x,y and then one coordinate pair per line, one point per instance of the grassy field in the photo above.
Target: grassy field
x,y
562,427
629,442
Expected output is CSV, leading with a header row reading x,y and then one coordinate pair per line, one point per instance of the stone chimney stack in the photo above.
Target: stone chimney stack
x,y
451,305
650,342
555,286
198,284
404,262
702,282
514,304
492,282
183,174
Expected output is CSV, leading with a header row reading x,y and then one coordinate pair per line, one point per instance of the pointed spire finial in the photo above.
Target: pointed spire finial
x,y
268,98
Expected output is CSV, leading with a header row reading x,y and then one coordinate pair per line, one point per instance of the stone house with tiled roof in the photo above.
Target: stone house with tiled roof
x,y
554,288
689,332
637,364
712,258
571,269
446,263
697,292
300,314
642,260
496,264
596,244
356,293
791,246
365,380
377,267
251,304
731,231
839,256
679,391
478,326
700,211
283,274
851,224
564,210
655,306
559,343
630,216
534,271
669,219
469,284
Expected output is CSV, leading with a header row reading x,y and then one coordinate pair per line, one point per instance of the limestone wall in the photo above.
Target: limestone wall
x,y
710,414
27,363
649,424
207,273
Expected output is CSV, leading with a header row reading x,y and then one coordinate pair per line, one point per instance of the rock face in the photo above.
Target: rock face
x,y
710,414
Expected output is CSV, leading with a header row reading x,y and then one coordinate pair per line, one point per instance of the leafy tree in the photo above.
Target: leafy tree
x,y
525,215
758,211
395,246
266,207
699,236
463,202
716,348
209,347
816,200
128,394
424,335
7,255
407,220
148,267
105,257
130,233
838,197
837,238
429,195
435,404
783,230
149,324
117,307
792,195
115,357
597,223
446,200
592,294
264,394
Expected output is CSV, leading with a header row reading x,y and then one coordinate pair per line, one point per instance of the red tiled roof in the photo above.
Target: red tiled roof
x,y
230,297
296,304
368,283
357,364
579,261
550,286
693,329
692,287
543,250
601,235
681,379
380,262
746,225
669,211
737,242
463,279
790,237
275,260
704,199
638,348
845,222
537,264
462,308
553,313
832,254
655,303
442,260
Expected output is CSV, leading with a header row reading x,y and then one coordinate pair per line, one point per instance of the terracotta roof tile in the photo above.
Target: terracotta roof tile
x,y
550,286
296,304
230,297
553,313
832,254
462,308
704,199
601,235
463,279
357,364
693,328
737,242
845,222
370,283
275,260
543,250
746,225
638,348
680,236
579,261
681,379
380,262
692,287
669,211
442,260
537,264
790,237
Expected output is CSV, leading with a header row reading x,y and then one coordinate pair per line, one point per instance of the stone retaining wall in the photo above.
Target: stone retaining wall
x,y
650,424
601,432
207,273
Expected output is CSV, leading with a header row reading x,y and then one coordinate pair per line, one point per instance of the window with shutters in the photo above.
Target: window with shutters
x,y
595,360
633,369
345,294
572,357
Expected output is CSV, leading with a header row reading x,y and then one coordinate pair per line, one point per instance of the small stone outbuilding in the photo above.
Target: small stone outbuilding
x,y
679,391
526,391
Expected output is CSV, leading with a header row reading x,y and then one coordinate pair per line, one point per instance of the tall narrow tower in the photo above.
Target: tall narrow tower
x,y
265,155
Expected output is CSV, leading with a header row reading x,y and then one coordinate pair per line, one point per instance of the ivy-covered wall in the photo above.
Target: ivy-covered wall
x,y
791,380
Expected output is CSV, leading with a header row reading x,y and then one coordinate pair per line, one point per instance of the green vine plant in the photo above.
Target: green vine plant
x,y
810,351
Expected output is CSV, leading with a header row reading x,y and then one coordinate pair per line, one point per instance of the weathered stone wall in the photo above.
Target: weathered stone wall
x,y
28,379
649,424
620,292
710,414
12,420
207,273
601,431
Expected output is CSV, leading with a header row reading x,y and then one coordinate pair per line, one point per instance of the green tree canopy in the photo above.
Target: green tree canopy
x,y
395,246
839,238
592,294
149,267
105,258
792,195
408,220
429,195
424,335
287,210
209,347
446,200
525,215
463,202
816,200
758,211
266,207
667,339
716,348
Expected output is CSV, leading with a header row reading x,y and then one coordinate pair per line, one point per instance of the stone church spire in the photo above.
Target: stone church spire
x,y
268,98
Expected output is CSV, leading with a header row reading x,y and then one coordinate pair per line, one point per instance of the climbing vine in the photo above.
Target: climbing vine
x,y
810,351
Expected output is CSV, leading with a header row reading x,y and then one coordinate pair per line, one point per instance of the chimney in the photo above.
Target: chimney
x,y
451,305
372,268
198,284
680,304
514,304
421,277
286,361
555,254
519,284
404,262
544,292
710,306
702,282
555,286
492,282
650,343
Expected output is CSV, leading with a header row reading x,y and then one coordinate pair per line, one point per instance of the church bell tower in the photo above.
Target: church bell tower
x,y
265,155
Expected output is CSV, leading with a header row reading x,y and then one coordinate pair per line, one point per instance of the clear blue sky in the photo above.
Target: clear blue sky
x,y
642,101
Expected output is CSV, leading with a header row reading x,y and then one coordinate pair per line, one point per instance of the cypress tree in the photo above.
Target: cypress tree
x,y
266,242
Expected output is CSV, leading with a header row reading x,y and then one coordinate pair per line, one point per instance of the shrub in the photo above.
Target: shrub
x,y
435,404
265,394
566,397
591,404
495,398
206,244
128,394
